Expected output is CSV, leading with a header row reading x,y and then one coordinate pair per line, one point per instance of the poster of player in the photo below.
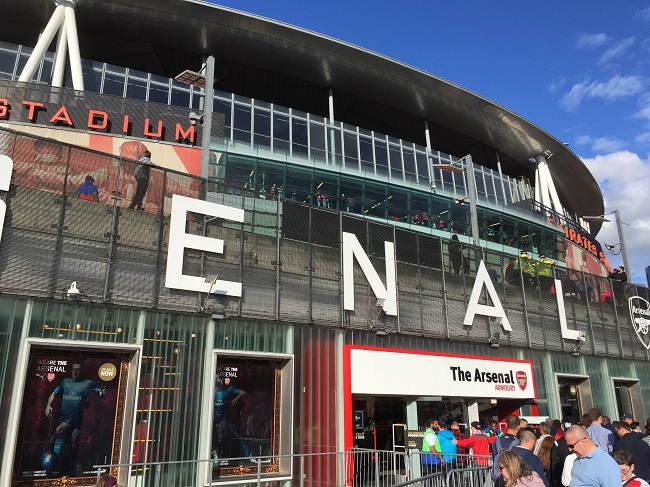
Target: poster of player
x,y
72,415
245,415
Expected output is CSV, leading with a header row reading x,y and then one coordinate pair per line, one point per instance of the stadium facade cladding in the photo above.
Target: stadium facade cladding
x,y
308,281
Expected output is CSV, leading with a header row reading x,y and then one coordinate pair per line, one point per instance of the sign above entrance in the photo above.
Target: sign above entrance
x,y
404,373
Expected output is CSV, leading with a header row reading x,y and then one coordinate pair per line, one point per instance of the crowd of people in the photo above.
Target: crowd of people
x,y
590,452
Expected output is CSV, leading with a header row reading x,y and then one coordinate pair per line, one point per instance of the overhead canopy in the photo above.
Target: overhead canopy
x,y
293,67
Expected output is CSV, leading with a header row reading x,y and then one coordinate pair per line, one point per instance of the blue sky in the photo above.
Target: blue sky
x,y
578,69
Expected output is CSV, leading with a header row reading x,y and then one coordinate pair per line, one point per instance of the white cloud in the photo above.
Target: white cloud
x,y
556,85
616,50
591,41
624,179
644,14
642,138
644,111
617,87
600,144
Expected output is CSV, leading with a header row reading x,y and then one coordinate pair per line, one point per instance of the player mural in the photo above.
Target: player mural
x,y
72,415
245,416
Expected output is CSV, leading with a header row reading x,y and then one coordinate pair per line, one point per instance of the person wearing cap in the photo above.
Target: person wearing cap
x,y
88,190
638,448
479,444
628,418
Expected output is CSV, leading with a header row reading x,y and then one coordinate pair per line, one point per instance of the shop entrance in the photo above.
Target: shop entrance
x,y
374,417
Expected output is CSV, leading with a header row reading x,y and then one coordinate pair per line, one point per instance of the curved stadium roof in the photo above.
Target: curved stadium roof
x,y
275,62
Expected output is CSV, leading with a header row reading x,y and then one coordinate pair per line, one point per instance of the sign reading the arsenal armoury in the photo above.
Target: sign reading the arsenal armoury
x,y
418,374
640,316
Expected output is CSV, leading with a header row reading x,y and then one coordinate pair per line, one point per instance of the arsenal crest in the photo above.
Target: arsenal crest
x,y
50,376
640,317
226,380
522,379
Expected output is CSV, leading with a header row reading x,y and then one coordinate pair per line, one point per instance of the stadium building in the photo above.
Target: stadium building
x,y
358,244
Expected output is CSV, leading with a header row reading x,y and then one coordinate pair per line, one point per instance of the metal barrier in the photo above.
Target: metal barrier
x,y
356,467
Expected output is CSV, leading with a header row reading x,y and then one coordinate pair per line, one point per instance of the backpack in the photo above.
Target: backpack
x,y
497,448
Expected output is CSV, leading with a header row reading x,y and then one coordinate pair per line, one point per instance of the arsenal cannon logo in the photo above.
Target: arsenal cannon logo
x,y
640,316
522,379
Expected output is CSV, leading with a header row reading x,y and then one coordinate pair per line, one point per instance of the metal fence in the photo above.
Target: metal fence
x,y
356,467
287,255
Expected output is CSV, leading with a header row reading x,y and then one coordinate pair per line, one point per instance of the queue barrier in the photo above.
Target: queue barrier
x,y
356,467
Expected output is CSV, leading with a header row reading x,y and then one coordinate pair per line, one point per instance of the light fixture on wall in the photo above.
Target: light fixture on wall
x,y
202,305
580,340
494,339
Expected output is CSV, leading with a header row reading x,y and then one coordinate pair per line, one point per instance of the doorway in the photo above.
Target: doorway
x,y
627,395
574,395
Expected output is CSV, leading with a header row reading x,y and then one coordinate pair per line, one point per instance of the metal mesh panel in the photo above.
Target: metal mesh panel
x,y
20,270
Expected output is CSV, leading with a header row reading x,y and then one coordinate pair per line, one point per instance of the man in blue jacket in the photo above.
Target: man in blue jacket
x,y
447,444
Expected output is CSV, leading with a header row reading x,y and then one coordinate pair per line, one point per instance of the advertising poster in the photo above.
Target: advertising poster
x,y
71,416
245,416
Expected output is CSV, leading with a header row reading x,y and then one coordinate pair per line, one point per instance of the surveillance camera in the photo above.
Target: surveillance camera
x,y
195,117
610,246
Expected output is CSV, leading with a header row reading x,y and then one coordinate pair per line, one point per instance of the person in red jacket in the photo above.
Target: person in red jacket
x,y
479,443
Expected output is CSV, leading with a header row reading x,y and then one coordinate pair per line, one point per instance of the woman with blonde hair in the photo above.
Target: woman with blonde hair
x,y
516,472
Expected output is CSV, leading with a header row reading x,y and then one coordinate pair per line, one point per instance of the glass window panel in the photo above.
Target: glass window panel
x,y
161,80
46,70
159,93
459,182
447,180
136,88
92,78
326,186
224,107
271,176
381,156
489,186
280,132
395,155
7,63
317,141
351,149
181,98
24,55
409,163
242,123
398,205
240,171
498,188
262,136
374,202
115,69
299,136
351,194
113,84
298,185
365,145
480,187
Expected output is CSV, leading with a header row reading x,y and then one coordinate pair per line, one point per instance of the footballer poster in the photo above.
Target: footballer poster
x,y
72,415
245,416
